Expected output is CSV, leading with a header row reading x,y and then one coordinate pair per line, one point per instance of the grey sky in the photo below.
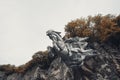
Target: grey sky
x,y
23,23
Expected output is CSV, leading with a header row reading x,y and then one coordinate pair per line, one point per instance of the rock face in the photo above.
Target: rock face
x,y
98,61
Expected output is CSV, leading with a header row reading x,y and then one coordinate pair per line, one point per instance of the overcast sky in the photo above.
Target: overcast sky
x,y
23,23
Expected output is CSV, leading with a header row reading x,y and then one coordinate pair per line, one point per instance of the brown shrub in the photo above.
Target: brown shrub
x,y
23,68
99,27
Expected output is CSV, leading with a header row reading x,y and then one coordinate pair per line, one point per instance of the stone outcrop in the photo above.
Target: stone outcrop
x,y
49,65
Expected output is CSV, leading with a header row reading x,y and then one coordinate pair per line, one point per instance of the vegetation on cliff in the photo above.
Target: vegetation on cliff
x,y
42,59
99,28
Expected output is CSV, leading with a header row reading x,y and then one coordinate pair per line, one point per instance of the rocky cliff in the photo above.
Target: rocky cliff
x,y
104,66
98,60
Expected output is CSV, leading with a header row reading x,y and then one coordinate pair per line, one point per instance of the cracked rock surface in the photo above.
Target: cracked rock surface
x,y
104,66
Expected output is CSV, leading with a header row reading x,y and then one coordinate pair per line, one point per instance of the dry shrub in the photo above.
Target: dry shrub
x,y
78,28
23,68
8,67
37,58
99,27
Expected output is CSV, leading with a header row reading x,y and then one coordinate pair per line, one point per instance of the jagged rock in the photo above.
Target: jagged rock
x,y
51,66
2,75
59,71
